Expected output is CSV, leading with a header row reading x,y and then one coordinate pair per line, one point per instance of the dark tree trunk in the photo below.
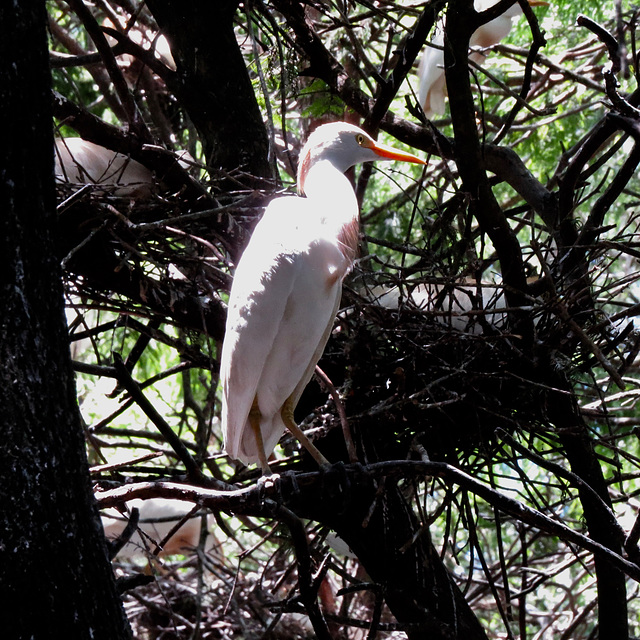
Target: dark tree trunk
x,y
379,525
56,580
573,434
213,83
579,449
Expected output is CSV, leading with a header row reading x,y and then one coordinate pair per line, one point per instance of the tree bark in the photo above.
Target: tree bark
x,y
56,578
471,165
213,84
379,525
579,450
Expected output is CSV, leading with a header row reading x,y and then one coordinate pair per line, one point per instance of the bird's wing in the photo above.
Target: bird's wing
x,y
431,87
319,348
261,285
78,160
493,32
302,335
281,308
305,326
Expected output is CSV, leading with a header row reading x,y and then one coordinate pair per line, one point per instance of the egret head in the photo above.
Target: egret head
x,y
344,145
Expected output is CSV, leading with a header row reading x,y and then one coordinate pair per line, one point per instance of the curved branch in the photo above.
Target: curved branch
x,y
308,594
250,500
536,45
461,21
134,117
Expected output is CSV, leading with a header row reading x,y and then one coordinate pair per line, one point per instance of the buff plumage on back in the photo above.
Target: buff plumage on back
x,y
286,292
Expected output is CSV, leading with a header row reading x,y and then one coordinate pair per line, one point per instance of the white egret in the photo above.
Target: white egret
x,y
457,304
158,517
84,162
432,88
286,291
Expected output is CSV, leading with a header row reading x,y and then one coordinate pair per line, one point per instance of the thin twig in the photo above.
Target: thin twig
x,y
125,379
346,431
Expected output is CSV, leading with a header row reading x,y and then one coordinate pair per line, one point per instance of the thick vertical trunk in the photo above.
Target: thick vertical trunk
x,y
213,83
56,579
580,452
379,525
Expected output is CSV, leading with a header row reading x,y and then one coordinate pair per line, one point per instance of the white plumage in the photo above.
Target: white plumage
x,y
83,162
286,292
158,516
432,88
457,304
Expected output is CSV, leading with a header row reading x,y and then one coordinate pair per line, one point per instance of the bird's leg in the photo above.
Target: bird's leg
x,y
254,421
287,417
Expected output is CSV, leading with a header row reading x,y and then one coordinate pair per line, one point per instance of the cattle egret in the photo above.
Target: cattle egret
x,y
458,305
158,517
84,162
286,292
432,89
463,304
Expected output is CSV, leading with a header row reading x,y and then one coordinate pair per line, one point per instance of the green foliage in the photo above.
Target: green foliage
x,y
321,101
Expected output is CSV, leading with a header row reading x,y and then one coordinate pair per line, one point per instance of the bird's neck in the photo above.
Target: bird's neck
x,y
330,188
335,201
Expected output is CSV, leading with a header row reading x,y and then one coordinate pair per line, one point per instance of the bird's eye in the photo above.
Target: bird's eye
x,y
360,139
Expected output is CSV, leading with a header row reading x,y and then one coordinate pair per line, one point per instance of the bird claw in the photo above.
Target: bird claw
x,y
268,482
284,487
266,485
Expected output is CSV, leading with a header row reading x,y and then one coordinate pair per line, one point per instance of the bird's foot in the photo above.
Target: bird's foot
x,y
267,484
268,480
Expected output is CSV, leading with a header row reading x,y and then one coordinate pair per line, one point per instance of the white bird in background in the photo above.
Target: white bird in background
x,y
84,162
158,517
456,304
286,293
432,88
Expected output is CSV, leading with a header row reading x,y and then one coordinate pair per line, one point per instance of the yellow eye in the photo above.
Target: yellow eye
x,y
360,139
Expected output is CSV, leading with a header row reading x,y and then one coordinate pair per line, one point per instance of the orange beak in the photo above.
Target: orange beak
x,y
395,154
538,3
